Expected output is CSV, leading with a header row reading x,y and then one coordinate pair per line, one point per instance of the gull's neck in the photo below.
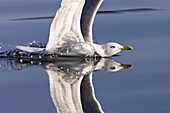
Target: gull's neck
x,y
100,65
100,49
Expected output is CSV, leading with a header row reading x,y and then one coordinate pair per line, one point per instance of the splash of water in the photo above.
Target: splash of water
x,y
9,64
8,50
5,49
36,44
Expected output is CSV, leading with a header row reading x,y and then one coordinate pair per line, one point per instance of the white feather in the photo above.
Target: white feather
x,y
66,25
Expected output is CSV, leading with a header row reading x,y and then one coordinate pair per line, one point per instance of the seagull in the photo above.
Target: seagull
x,y
71,32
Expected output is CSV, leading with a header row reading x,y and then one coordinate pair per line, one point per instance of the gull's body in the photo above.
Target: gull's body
x,y
71,30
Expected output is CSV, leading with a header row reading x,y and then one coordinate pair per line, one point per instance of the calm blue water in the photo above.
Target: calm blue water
x,y
143,89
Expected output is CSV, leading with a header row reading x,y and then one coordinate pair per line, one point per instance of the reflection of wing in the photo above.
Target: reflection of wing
x,y
89,101
65,80
71,87
65,92
66,24
88,15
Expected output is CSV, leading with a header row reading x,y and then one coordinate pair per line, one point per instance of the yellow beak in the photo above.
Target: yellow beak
x,y
126,66
127,48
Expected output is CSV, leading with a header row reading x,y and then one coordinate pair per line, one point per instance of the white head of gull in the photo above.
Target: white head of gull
x,y
71,32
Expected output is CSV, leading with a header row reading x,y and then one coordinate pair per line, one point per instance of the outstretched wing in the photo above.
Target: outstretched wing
x,y
65,95
89,101
66,24
89,12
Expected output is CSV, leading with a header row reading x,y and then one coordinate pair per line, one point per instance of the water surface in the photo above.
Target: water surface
x,y
142,89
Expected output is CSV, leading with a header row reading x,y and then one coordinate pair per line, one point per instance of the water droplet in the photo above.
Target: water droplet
x,y
21,60
61,53
67,51
61,67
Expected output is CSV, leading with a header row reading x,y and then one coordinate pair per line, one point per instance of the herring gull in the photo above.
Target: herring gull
x,y
71,32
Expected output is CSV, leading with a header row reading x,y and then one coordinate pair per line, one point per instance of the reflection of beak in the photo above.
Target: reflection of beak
x,y
127,48
126,66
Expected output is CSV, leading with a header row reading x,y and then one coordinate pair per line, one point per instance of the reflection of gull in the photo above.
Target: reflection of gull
x,y
70,81
89,102
71,85
71,32
111,65
65,80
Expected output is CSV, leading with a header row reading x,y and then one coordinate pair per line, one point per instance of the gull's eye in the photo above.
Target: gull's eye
x,y
112,68
112,46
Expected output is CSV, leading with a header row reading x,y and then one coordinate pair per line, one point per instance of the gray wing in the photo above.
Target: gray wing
x,y
89,12
89,102
64,93
66,24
